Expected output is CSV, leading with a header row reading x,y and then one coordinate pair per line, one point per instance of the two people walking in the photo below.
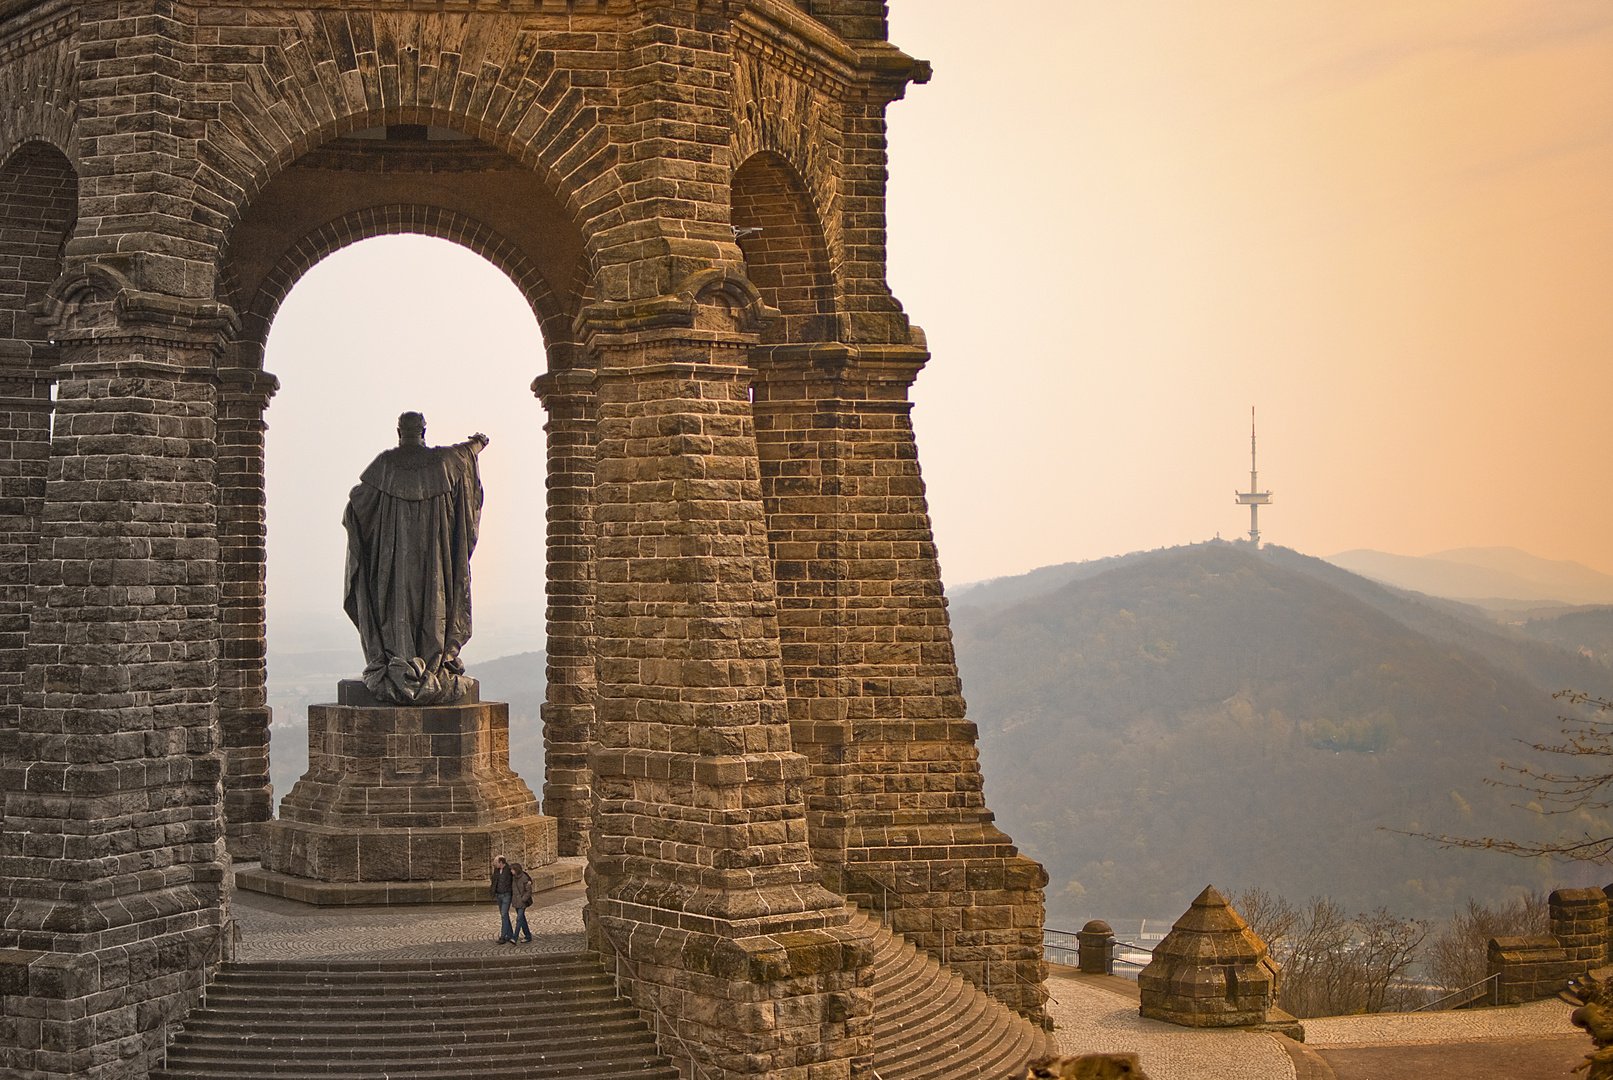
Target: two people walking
x,y
512,888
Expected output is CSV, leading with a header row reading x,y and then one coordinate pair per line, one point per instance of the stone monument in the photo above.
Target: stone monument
x,y
409,792
751,680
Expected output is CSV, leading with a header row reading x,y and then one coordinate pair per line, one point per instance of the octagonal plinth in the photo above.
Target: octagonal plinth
x,y
404,805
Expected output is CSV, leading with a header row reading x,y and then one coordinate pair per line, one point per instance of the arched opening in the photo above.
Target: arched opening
x,y
785,256
314,223
383,326
38,210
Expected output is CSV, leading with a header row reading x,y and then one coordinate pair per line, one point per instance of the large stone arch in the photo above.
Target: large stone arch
x,y
39,84
394,179
258,311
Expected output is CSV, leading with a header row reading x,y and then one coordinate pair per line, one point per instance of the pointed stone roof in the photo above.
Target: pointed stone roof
x,y
1211,970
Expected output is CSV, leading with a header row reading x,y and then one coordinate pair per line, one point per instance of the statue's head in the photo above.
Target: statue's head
x,y
411,429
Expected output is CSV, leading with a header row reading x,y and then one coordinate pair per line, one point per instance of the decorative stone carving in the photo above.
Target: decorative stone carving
x,y
1210,971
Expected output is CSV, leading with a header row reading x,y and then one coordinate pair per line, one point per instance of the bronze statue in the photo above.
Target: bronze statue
x,y
411,527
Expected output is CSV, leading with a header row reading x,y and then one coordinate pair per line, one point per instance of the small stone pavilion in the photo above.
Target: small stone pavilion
x,y
754,718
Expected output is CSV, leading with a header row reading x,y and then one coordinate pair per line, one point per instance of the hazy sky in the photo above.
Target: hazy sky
x,y
1386,223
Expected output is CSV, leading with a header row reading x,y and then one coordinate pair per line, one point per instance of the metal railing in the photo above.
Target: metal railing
x,y
1115,945
1458,993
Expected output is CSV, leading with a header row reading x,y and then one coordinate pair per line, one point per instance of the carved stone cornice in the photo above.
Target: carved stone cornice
x,y
639,321
888,365
96,304
800,46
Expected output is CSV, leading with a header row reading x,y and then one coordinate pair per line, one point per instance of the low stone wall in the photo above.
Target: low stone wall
x,y
1533,968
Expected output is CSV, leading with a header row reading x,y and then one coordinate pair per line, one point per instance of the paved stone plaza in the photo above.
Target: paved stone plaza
x,y
1095,1015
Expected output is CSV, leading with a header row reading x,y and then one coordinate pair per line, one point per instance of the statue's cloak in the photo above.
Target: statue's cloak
x,y
411,527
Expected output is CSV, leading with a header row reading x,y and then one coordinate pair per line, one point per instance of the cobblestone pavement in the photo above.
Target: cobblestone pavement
x,y
1548,1017
1092,1020
276,929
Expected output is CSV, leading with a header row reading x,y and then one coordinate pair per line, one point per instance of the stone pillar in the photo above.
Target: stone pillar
x,y
895,804
700,876
568,708
1579,923
1096,942
113,903
243,709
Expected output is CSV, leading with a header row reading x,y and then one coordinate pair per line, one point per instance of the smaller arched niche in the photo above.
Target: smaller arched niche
x,y
38,209
781,236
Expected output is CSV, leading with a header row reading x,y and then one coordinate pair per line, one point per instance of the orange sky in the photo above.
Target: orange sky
x,y
1387,223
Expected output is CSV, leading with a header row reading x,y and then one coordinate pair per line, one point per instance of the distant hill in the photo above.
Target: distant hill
x,y
1584,632
1490,577
1214,714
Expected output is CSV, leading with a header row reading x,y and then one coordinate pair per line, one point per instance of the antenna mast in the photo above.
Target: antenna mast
x,y
1254,498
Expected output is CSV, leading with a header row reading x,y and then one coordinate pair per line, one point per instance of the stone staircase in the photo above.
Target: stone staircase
x,y
932,1024
518,1017
536,1017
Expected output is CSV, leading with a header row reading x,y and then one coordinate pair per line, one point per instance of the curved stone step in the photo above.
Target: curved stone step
x,y
930,1023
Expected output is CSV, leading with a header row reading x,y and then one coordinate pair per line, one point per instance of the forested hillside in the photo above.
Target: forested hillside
x,y
1209,714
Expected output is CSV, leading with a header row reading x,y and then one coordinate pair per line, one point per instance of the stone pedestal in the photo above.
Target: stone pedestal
x,y
403,805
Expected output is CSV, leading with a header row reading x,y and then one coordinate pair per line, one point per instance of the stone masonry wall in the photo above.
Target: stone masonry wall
x,y
896,801
1532,968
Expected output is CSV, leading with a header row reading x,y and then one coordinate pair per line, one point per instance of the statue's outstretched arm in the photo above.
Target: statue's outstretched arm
x,y
477,442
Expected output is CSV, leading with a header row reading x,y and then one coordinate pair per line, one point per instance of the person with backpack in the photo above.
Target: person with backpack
x,y
521,899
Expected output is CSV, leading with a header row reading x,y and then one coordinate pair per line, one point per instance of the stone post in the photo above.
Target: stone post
x,y
896,807
568,708
1210,971
113,899
1097,948
700,876
243,709
1579,923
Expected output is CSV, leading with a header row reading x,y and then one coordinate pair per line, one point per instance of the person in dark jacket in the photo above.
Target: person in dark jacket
x,y
503,884
522,899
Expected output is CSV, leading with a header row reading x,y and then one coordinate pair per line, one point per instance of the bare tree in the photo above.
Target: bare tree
x,y
1334,965
1385,948
1272,918
1457,958
1587,786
